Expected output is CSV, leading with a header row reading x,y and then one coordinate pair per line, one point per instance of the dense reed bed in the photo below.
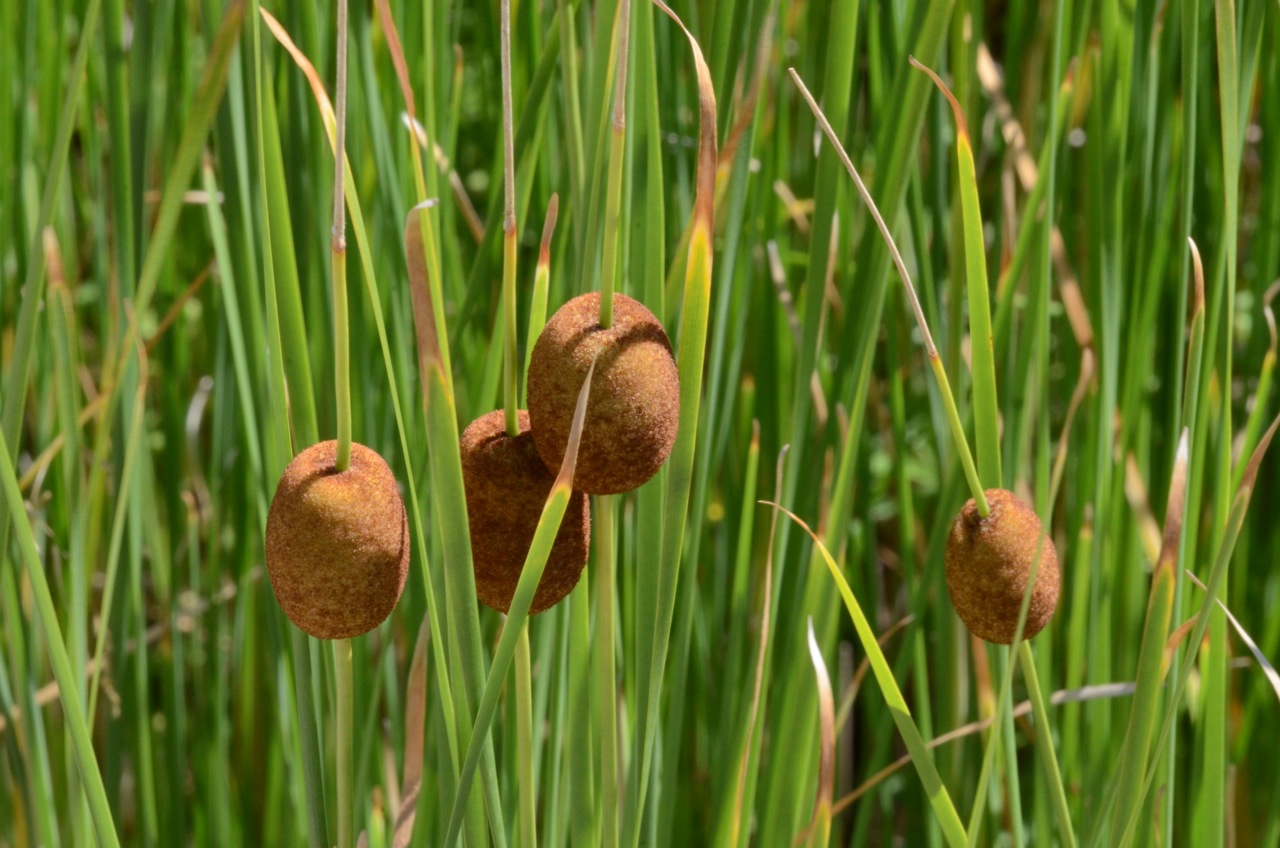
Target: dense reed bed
x,y
1083,205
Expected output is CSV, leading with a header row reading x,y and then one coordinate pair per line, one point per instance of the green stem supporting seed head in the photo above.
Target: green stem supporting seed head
x,y
341,334
617,150
510,378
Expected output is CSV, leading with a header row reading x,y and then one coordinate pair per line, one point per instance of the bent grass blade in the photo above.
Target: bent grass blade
x,y
952,828
517,616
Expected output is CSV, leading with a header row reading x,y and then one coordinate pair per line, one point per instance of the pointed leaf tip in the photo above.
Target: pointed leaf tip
x,y
704,201
429,353
564,480
1255,461
1198,269
1175,507
962,125
820,824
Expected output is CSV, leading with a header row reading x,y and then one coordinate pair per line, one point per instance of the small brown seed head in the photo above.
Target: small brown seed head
x,y
988,561
337,542
634,409
507,486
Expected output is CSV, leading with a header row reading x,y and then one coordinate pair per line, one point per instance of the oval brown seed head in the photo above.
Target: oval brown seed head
x,y
337,542
507,485
634,409
988,561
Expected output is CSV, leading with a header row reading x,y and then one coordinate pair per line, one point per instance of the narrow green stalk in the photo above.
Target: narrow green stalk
x,y
957,431
573,104
338,247
1009,754
617,149
278,254
651,654
526,130
541,284
341,357
146,786
1189,410
510,369
1044,745
1150,672
67,678
345,760
1261,402
510,377
535,563
1213,792
606,673
449,501
530,575
528,789
1003,702
113,550
579,751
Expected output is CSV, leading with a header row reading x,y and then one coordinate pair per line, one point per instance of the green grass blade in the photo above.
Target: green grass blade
x,y
288,379
525,744
651,656
981,340
1217,576
1150,676
86,760
544,536
449,499
605,667
1044,745
952,828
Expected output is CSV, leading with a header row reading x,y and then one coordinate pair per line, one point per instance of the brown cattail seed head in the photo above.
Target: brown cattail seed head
x,y
634,408
988,561
337,542
507,486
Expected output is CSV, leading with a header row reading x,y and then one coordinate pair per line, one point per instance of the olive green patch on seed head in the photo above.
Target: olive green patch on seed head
x,y
507,486
988,561
634,409
337,542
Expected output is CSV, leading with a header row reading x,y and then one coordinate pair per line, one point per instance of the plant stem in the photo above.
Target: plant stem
x,y
1044,743
528,788
509,375
345,730
341,337
342,359
541,282
82,745
957,428
617,150
606,673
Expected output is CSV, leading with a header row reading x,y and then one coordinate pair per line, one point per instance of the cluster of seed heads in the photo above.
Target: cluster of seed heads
x,y
631,420
337,542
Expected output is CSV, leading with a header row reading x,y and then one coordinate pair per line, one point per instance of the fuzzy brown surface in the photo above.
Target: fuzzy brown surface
x,y
988,561
507,486
337,542
634,408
